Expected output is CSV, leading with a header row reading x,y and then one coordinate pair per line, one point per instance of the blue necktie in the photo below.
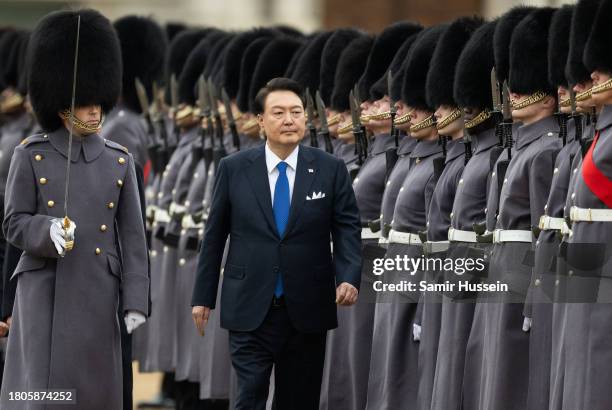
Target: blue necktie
x,y
281,212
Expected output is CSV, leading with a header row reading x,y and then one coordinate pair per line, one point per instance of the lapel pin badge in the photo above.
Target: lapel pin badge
x,y
310,170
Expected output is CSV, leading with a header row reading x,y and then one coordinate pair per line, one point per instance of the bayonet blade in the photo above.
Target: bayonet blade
x,y
322,114
174,93
573,100
354,112
309,109
212,95
356,95
142,97
228,106
202,96
389,88
495,94
506,109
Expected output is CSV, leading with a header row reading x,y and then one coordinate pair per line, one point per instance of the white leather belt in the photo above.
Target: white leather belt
x,y
382,240
404,237
151,211
366,233
548,223
512,235
457,235
176,209
590,215
188,223
161,215
436,246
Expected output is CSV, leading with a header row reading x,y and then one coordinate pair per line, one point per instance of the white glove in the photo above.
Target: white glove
x,y
133,320
61,237
416,332
527,324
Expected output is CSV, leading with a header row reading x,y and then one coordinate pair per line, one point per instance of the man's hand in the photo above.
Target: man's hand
x,y
63,239
133,319
4,328
200,317
346,294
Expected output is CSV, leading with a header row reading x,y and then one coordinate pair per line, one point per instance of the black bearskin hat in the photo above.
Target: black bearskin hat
x,y
582,22
334,46
9,57
386,45
307,70
143,50
174,28
272,63
441,74
247,66
379,89
416,67
51,65
501,39
351,65
597,51
472,87
558,39
529,54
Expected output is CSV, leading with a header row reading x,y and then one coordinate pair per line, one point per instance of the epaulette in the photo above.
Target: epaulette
x,y
113,144
34,139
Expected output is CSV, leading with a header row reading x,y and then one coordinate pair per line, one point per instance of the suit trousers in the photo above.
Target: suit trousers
x,y
297,359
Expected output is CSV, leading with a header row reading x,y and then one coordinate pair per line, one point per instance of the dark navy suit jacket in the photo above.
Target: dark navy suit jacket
x,y
242,208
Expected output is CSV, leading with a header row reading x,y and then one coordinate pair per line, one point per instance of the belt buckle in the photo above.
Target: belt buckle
x,y
542,222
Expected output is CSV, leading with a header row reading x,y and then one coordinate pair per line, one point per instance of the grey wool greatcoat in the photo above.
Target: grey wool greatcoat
x,y
65,332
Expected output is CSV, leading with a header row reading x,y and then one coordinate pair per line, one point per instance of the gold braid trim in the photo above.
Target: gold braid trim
x,y
334,119
345,128
453,116
380,116
565,103
426,123
479,119
364,119
403,119
585,95
82,127
607,85
532,99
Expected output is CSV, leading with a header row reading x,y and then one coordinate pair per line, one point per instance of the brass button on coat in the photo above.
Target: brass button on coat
x,y
98,251
111,205
38,157
121,160
51,204
43,181
103,228
119,183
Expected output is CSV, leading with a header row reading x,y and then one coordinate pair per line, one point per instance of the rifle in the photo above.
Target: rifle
x,y
324,130
230,119
152,145
310,120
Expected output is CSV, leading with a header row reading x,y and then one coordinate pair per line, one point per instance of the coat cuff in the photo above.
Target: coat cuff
x,y
135,289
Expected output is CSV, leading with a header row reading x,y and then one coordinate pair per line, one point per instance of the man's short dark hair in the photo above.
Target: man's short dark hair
x,y
277,84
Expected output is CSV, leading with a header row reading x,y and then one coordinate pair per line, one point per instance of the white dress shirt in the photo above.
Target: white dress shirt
x,y
272,161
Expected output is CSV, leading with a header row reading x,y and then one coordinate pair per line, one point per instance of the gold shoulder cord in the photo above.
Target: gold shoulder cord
x,y
81,126
479,119
455,115
426,123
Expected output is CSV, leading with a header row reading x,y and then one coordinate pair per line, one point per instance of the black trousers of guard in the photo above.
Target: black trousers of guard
x,y
297,359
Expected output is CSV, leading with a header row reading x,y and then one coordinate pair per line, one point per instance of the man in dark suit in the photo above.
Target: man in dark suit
x,y
280,203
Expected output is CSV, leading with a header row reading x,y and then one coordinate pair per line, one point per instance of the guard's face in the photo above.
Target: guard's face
x,y
417,117
91,114
283,118
604,97
532,111
563,94
378,107
454,127
584,106
401,110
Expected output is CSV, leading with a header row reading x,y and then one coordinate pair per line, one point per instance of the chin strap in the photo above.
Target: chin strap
x,y
82,127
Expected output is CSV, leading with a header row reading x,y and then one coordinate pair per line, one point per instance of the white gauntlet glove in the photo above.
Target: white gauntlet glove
x,y
133,320
62,239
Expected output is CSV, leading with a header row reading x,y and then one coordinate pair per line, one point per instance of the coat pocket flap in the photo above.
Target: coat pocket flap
x,y
114,265
233,271
27,263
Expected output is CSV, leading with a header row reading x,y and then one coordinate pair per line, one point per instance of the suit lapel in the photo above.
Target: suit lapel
x,y
257,173
302,184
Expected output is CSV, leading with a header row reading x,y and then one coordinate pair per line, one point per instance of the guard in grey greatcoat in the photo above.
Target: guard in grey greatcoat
x,y
540,296
522,197
472,91
351,343
396,362
447,170
588,249
70,338
143,50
